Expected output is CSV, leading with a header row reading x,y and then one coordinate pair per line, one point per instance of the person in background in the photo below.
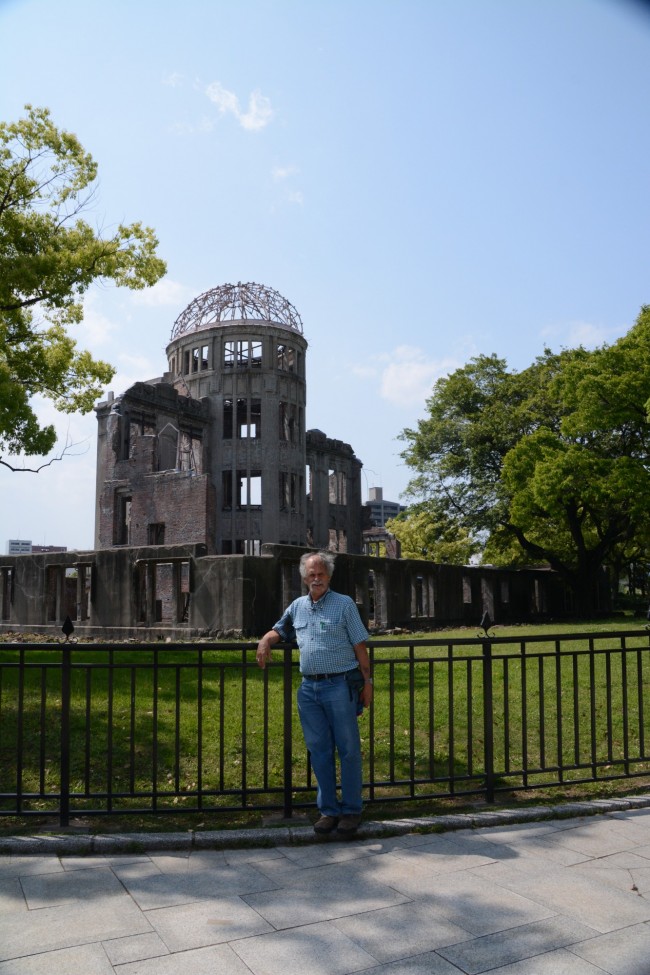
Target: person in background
x,y
336,683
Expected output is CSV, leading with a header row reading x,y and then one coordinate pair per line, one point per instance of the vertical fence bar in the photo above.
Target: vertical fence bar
x,y
43,731
199,728
592,710
576,710
451,744
177,724
432,723
371,735
488,720
411,686
154,739
470,718
64,802
639,697
222,724
626,727
244,730
88,736
506,714
287,725
524,715
110,722
391,721
542,705
608,698
559,710
132,727
20,731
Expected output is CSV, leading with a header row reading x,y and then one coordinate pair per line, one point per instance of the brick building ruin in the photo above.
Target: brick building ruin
x,y
216,451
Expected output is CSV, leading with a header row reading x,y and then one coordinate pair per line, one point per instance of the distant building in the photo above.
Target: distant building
x,y
376,512
23,546
379,510
19,546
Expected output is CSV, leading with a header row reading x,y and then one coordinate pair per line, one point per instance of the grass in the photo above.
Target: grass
x,y
137,731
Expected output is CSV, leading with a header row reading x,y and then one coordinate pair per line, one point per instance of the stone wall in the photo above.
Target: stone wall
x,y
182,591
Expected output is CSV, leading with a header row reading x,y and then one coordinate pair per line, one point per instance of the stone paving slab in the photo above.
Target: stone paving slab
x,y
515,944
560,962
604,908
53,928
493,892
55,889
397,932
214,921
138,947
216,960
315,948
624,952
84,960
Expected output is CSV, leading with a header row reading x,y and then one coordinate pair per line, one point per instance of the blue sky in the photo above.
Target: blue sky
x,y
425,180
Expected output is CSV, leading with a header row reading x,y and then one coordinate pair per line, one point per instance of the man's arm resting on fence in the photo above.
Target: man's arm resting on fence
x,y
263,654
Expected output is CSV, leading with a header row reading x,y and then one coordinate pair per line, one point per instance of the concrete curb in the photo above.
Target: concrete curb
x,y
106,844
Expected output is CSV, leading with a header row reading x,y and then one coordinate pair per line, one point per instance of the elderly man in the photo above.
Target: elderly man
x,y
336,678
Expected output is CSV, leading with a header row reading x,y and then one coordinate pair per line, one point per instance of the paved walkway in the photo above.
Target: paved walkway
x,y
553,895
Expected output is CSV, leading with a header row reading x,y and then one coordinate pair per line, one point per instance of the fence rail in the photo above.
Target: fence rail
x,y
90,729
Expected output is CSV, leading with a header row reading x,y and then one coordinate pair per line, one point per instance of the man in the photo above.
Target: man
x,y
336,678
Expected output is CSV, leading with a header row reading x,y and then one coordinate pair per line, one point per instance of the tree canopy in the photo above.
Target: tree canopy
x,y
49,257
426,532
548,465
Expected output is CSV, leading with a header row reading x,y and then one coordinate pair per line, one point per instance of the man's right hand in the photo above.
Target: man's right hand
x,y
263,654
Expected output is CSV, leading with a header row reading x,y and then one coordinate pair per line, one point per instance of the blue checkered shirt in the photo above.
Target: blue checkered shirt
x,y
326,632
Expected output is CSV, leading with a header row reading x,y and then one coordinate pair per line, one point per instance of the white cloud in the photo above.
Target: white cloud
x,y
163,294
173,80
132,369
259,112
284,172
406,375
226,101
97,329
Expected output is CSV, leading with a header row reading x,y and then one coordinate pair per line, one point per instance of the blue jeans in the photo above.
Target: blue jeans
x,y
328,715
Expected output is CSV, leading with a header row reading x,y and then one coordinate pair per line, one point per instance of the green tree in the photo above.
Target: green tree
x,y
550,464
425,531
476,416
49,257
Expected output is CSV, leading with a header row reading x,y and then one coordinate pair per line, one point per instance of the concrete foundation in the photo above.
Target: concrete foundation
x,y
182,592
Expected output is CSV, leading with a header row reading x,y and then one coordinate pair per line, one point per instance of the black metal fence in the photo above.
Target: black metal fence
x,y
89,729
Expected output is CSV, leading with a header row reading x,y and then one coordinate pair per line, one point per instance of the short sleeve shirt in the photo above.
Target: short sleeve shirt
x,y
326,632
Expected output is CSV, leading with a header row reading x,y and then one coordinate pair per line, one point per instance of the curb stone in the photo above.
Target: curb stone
x,y
66,844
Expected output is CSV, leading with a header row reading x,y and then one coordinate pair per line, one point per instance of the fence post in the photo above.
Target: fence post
x,y
488,720
287,729
64,802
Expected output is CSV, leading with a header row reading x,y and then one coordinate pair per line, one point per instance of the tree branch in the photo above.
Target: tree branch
x,y
66,452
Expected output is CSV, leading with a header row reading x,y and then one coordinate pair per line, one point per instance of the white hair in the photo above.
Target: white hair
x,y
327,558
